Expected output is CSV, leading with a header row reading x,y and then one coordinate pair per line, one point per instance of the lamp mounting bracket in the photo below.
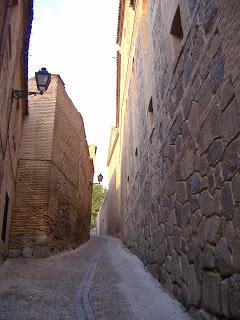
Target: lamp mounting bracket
x,y
18,94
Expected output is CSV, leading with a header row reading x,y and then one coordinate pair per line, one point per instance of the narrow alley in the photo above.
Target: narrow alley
x,y
121,116
100,280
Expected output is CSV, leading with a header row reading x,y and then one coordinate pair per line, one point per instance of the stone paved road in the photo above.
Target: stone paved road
x,y
98,281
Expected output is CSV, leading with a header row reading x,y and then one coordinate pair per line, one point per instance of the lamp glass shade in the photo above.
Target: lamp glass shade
x,y
100,178
43,78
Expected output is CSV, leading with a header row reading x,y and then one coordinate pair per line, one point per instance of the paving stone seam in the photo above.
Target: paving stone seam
x,y
84,310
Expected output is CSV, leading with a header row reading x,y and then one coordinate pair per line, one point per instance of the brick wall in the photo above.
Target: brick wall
x,y
179,108
53,193
15,25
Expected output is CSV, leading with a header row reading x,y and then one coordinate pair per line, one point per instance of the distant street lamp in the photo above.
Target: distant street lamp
x,y
100,178
43,79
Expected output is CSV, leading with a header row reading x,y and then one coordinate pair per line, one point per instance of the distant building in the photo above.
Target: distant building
x,y
92,151
15,28
178,119
54,179
109,218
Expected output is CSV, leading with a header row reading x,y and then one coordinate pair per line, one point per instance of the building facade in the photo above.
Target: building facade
x,y
178,117
15,29
109,218
52,206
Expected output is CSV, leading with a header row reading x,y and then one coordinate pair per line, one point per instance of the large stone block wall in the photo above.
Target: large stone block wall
x,y
15,27
54,180
180,150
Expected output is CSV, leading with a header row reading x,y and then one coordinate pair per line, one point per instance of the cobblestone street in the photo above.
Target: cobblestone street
x,y
100,280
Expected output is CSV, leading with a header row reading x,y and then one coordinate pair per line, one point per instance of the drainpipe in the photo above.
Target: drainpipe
x,y
7,15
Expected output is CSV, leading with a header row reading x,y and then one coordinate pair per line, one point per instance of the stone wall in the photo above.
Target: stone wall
x,y
54,180
15,27
179,127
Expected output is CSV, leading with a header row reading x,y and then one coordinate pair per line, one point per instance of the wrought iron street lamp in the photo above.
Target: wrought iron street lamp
x,y
43,79
100,178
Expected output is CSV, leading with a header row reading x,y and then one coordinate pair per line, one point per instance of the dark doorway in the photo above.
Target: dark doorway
x,y
5,218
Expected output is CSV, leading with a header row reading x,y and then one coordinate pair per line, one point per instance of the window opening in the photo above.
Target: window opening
x,y
150,113
133,66
176,31
150,106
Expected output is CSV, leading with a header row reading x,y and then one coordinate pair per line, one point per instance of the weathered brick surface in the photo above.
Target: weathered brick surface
x,y
179,195
15,26
54,178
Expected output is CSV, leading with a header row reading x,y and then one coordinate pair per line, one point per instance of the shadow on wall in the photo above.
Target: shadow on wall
x,y
109,218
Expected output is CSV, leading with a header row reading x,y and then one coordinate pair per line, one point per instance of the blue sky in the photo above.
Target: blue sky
x,y
77,39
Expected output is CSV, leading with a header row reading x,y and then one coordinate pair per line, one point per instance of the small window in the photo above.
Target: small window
x,y
150,114
136,152
133,66
5,218
150,106
176,31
